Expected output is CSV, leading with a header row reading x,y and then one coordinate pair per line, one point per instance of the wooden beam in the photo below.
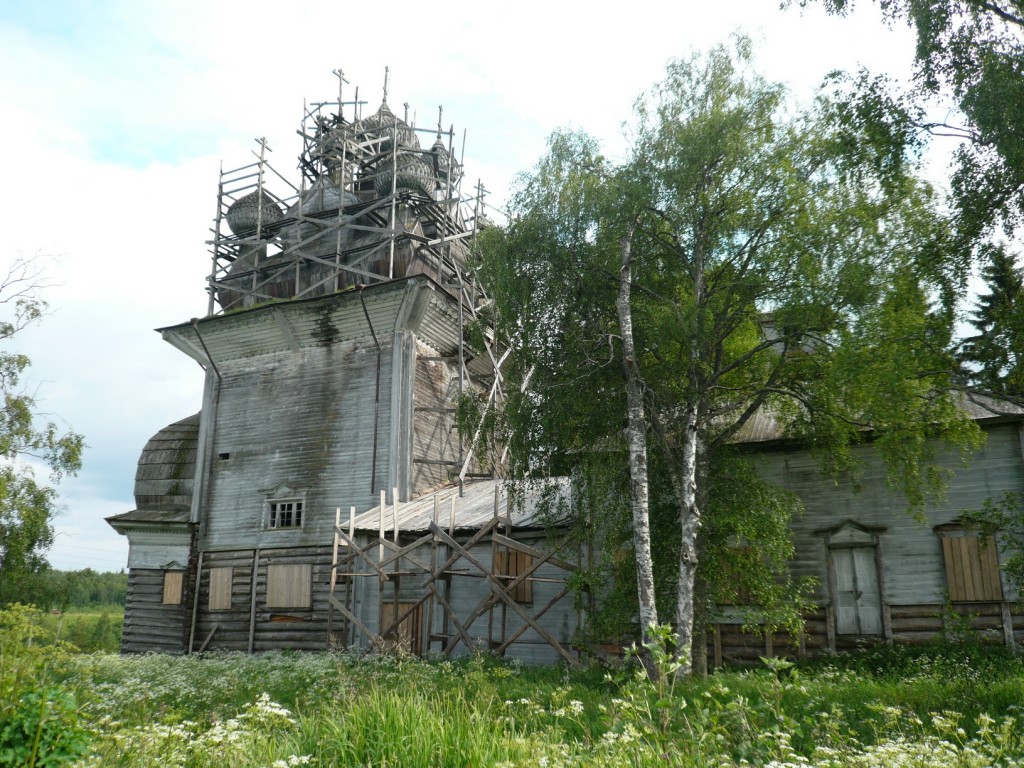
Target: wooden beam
x,y
286,328
499,591
252,599
548,606
209,637
375,639
361,551
536,553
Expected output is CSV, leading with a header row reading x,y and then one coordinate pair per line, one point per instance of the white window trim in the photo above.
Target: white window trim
x,y
272,514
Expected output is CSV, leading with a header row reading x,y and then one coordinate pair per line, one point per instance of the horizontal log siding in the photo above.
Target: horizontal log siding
x,y
911,625
149,625
275,628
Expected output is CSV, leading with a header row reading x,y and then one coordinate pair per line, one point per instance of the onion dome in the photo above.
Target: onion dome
x,y
382,125
167,467
442,161
322,196
244,213
413,173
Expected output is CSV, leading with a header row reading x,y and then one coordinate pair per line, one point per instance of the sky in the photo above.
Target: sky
x,y
115,118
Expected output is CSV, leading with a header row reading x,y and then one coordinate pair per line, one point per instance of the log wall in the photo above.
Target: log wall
x,y
149,625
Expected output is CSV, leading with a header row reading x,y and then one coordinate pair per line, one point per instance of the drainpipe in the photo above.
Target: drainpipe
x,y
376,396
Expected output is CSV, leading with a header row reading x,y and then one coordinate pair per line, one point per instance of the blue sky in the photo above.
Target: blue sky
x,y
117,115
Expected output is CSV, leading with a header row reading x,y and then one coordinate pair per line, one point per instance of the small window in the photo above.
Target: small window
x,y
220,588
174,582
289,586
284,514
972,567
509,565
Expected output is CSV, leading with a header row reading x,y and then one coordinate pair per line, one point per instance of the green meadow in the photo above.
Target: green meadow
x,y
942,705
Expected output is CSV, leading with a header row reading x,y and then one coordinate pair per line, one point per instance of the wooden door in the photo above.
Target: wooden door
x,y
855,591
407,635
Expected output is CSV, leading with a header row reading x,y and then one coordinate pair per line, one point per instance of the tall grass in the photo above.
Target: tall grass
x,y
939,706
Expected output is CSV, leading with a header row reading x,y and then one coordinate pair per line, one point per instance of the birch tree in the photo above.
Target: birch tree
x,y
779,263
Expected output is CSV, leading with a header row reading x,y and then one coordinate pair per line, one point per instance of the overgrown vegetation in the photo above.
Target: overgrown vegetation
x,y
27,440
938,706
751,261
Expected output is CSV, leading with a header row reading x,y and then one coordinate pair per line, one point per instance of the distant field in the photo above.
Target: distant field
x,y
97,628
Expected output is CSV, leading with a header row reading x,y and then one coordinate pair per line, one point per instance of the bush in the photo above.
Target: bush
x,y
39,722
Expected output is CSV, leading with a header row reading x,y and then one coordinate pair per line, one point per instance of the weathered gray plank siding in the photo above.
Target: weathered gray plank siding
x,y
435,437
305,420
274,628
149,625
912,570
910,552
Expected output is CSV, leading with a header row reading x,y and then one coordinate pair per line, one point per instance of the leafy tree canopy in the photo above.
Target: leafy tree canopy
x,y
27,507
786,263
973,52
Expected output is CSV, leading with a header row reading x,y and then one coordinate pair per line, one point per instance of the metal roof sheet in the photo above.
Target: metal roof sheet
x,y
535,505
764,427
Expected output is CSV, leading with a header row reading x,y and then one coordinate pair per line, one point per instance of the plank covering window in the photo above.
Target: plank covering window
x,y
174,582
220,588
509,565
972,567
289,586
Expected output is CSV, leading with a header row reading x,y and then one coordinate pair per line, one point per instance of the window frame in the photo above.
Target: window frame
x,y
278,588
296,514
216,588
509,564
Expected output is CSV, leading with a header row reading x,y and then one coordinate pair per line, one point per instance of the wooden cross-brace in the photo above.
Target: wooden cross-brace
x,y
499,591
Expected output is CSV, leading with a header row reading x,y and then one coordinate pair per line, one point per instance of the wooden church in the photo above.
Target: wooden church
x,y
322,497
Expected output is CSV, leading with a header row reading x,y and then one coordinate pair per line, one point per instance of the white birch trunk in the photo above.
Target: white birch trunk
x,y
690,522
636,431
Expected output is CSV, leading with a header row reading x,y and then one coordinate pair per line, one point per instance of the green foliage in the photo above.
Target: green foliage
x,y
84,588
971,52
994,351
39,719
939,705
748,547
26,506
88,630
787,262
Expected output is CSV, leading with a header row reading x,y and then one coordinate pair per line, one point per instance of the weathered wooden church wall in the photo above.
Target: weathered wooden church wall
x,y
882,573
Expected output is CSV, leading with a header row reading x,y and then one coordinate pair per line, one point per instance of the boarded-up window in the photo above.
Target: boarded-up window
x,y
220,588
174,582
289,586
509,565
972,567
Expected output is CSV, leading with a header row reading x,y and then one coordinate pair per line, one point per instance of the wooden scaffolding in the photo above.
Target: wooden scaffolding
x,y
434,581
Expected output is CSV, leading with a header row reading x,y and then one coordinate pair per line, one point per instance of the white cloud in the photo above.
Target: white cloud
x,y
116,114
